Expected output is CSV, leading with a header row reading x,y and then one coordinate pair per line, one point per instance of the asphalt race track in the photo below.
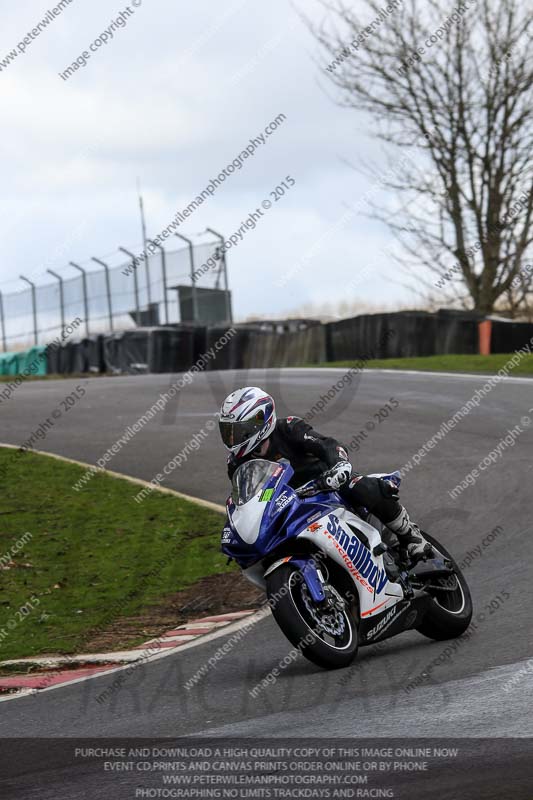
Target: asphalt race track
x,y
462,696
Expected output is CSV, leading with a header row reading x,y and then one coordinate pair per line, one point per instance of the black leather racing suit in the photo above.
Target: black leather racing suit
x,y
311,454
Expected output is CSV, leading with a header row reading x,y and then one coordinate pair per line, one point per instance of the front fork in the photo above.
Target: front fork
x,y
310,572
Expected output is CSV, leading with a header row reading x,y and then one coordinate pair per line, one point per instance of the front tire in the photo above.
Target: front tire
x,y
450,612
325,635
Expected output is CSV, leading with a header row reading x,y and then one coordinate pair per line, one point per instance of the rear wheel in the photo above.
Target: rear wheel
x,y
450,612
325,633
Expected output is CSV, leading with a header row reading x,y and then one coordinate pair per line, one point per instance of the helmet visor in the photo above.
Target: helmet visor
x,y
236,433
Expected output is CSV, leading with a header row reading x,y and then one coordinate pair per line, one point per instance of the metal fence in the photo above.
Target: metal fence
x,y
105,294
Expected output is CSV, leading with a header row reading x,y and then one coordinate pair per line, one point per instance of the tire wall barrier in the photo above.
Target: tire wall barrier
x,y
264,349
25,362
228,356
509,336
365,337
402,335
453,335
176,348
170,350
149,350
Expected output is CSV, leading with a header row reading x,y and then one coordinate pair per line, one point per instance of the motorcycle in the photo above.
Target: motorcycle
x,y
335,579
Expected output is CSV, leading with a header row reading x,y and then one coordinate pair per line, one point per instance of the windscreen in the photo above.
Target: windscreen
x,y
250,477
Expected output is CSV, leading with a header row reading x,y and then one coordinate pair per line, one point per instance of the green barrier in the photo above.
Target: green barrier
x,y
9,363
34,361
25,362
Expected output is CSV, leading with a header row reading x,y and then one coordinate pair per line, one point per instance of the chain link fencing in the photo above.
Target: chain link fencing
x,y
105,294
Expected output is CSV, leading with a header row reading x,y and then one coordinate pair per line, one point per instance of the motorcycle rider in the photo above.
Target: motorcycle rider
x,y
250,429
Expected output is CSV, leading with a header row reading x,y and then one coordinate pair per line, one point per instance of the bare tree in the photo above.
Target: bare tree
x,y
453,87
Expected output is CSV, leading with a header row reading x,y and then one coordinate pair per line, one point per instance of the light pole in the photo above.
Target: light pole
x,y
108,287
229,312
85,295
164,272
135,282
34,306
193,276
61,297
145,240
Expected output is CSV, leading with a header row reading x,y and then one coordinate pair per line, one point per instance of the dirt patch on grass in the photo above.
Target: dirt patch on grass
x,y
216,594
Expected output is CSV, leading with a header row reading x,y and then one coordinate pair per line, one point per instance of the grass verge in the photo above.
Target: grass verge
x,y
73,563
450,363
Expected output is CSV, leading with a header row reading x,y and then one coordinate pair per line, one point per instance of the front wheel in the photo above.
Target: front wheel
x,y
450,612
325,633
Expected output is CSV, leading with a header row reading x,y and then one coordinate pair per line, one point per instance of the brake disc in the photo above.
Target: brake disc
x,y
333,623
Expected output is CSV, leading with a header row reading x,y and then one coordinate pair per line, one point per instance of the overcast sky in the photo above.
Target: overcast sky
x,y
173,98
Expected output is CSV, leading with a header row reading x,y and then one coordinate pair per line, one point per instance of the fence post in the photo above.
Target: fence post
x,y
61,297
108,288
85,297
2,320
229,312
164,273
135,282
193,276
34,307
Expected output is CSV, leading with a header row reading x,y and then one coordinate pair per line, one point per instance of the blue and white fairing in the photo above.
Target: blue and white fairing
x,y
264,513
267,512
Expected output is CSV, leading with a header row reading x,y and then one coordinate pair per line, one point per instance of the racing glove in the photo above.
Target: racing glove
x,y
337,476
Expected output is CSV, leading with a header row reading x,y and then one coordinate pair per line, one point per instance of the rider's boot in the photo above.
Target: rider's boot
x,y
410,537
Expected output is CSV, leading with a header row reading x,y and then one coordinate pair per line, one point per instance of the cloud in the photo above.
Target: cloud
x,y
172,99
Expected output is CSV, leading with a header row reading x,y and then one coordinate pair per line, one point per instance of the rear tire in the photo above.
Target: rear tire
x,y
300,620
440,622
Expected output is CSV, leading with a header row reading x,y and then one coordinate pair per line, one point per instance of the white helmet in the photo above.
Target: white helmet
x,y
247,417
